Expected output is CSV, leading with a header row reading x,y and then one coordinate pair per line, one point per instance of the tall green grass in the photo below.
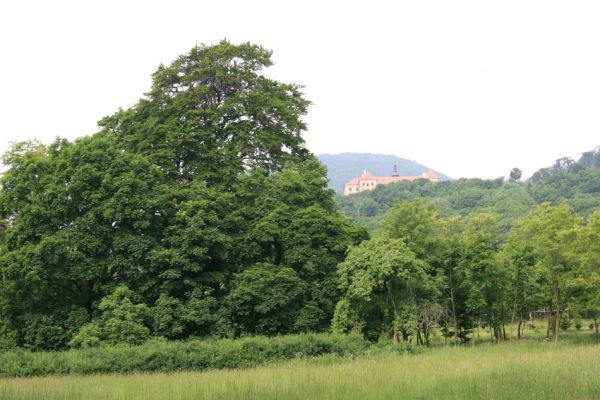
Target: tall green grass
x,y
508,371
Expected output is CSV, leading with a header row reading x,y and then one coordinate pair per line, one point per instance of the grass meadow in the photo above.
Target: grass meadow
x,y
517,370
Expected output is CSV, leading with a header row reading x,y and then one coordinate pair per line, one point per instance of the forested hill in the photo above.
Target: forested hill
x,y
345,166
575,181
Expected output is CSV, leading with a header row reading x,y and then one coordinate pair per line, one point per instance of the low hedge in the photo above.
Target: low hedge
x,y
164,356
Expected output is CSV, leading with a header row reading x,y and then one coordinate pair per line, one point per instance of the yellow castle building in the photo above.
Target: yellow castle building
x,y
369,182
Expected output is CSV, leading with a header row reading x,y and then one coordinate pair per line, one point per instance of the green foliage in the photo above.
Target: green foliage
x,y
508,201
578,182
266,299
485,279
210,115
199,213
52,331
185,199
554,233
168,356
81,217
384,285
525,279
515,174
119,321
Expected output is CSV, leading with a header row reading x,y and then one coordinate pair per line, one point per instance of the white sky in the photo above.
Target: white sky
x,y
470,88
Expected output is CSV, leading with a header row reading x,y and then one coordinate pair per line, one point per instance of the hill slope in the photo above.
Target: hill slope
x,y
345,166
578,182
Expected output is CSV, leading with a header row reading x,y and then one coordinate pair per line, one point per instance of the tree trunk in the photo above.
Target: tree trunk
x,y
453,309
558,314
512,318
395,334
549,322
596,324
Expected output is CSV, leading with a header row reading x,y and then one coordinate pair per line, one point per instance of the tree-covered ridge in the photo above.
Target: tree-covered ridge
x,y
461,197
197,212
345,166
578,182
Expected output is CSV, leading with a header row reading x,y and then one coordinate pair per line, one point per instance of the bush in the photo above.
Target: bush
x,y
120,321
160,355
52,331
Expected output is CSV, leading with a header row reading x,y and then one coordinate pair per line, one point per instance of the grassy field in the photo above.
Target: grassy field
x,y
530,370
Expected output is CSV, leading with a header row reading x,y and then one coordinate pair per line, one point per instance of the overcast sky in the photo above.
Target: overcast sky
x,y
470,88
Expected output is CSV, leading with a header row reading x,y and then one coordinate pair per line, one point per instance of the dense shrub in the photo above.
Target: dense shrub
x,y
120,322
164,356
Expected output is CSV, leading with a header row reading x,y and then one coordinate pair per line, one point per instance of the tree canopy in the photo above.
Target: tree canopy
x,y
196,212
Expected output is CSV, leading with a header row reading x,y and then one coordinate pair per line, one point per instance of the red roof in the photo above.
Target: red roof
x,y
384,180
367,175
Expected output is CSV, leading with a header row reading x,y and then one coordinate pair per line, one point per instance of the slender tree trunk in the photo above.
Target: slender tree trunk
x,y
558,314
519,329
395,334
596,324
453,309
512,318
548,329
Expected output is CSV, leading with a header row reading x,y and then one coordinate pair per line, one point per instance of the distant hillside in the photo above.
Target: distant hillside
x,y
578,182
345,166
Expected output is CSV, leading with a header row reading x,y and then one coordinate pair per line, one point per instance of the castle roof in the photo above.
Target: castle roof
x,y
367,175
430,175
384,180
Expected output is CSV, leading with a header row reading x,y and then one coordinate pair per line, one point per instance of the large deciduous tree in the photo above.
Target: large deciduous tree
x,y
186,199
554,234
485,278
211,114
384,285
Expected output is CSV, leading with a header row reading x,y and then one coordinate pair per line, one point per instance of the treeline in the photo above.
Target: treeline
x,y
575,181
421,271
197,212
